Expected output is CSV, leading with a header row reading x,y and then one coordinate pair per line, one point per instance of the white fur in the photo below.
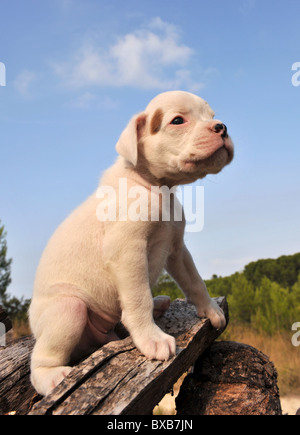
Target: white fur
x,y
92,273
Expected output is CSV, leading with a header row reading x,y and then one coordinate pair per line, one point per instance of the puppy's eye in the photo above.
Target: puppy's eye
x,y
178,120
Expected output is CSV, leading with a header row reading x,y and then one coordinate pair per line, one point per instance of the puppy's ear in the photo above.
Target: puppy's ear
x,y
127,145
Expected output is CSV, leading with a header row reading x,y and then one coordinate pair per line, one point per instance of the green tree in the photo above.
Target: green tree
x,y
295,301
5,266
165,285
220,286
15,308
273,307
283,270
241,299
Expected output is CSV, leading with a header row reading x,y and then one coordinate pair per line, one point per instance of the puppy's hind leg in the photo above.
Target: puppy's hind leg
x,y
160,305
58,330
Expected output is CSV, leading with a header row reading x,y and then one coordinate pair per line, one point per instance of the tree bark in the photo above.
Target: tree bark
x,y
230,379
118,380
16,391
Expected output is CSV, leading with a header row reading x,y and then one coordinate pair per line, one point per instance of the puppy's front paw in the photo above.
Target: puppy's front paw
x,y
155,344
214,313
45,379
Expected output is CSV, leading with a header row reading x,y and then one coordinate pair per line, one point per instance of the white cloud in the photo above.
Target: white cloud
x,y
150,58
84,101
245,6
89,100
23,82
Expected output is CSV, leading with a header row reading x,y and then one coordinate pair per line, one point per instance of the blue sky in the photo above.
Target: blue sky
x,y
77,70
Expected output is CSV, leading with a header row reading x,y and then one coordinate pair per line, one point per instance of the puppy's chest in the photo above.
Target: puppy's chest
x,y
160,245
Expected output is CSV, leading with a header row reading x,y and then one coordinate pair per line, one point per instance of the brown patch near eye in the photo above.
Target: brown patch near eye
x,y
156,121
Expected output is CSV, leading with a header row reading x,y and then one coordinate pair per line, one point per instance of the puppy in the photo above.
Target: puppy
x,y
95,272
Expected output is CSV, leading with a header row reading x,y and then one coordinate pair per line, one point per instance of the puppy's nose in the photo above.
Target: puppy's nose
x,y
221,128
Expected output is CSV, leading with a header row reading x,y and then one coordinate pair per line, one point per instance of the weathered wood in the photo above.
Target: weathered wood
x,y
5,320
16,391
230,379
117,379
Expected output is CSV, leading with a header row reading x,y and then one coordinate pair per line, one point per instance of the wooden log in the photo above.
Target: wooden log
x,y
118,380
230,379
16,392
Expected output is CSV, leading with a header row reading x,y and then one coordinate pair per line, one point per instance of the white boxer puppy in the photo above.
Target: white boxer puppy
x,y
96,271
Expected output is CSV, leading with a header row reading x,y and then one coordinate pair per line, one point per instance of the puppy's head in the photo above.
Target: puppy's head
x,y
176,140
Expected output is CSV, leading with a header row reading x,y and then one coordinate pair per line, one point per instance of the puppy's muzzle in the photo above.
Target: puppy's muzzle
x,y
221,129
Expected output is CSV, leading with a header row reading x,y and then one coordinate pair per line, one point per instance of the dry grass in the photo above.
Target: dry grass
x,y
21,329
167,405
